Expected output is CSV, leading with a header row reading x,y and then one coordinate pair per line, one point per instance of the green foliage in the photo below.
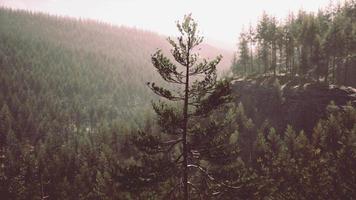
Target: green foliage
x,y
185,155
243,55
320,167
311,45
68,103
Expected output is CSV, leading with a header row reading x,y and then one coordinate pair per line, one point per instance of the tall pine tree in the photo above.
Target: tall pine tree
x,y
173,157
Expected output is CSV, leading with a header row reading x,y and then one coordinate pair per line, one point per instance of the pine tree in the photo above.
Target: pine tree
x,y
251,39
235,64
290,42
170,165
272,37
262,35
244,58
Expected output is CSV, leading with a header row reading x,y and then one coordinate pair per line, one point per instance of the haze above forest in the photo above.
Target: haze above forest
x,y
220,21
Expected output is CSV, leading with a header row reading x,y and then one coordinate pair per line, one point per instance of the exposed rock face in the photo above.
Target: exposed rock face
x,y
298,104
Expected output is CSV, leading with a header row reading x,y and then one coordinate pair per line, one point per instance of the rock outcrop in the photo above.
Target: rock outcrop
x,y
282,101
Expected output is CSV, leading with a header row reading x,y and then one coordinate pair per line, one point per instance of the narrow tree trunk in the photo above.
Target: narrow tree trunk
x,y
251,57
274,58
346,71
292,66
333,68
326,74
185,127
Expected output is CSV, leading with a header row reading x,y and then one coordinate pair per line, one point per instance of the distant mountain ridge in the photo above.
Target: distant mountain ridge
x,y
84,34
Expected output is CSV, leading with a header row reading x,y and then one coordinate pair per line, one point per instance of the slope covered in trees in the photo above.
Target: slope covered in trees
x,y
86,70
69,90
67,83
317,46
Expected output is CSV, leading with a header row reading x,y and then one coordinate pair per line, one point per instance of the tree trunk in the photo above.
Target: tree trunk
x,y
274,58
185,127
346,66
326,74
251,58
333,68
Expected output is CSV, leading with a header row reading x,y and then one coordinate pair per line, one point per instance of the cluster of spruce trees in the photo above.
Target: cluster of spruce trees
x,y
318,45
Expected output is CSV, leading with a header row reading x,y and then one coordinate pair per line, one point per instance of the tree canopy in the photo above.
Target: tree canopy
x,y
317,46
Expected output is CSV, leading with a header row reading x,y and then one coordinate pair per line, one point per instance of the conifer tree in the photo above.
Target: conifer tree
x,y
190,131
263,38
244,58
251,39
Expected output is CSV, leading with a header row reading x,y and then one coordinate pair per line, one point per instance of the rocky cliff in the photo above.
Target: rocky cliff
x,y
282,101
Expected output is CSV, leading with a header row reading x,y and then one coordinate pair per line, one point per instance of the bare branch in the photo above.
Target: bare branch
x,y
179,157
212,178
172,143
196,188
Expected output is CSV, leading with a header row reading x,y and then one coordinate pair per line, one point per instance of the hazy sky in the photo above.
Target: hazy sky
x,y
219,20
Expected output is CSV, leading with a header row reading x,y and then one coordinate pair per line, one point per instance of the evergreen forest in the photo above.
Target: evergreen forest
x,y
316,46
93,111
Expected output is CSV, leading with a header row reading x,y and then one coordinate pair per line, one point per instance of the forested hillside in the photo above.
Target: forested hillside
x,y
61,78
79,72
76,120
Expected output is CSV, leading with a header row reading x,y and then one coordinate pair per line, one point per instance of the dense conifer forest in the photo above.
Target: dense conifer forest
x,y
77,120
318,46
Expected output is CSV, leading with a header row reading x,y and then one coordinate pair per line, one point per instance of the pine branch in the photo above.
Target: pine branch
x,y
160,91
178,52
166,68
205,67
